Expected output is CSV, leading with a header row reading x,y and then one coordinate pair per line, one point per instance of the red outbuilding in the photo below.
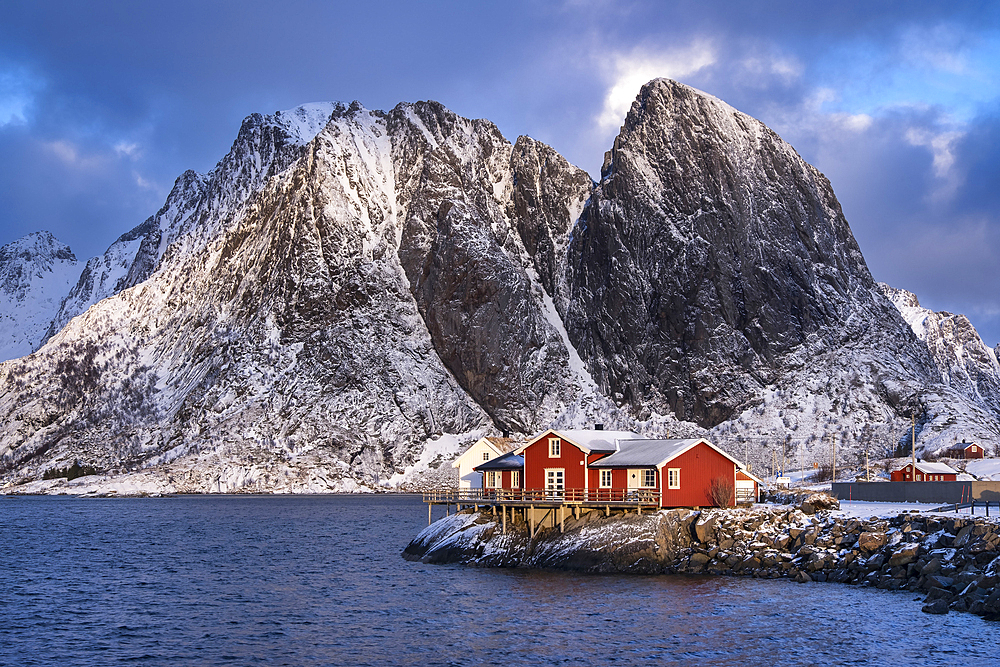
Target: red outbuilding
x,y
925,472
682,473
972,450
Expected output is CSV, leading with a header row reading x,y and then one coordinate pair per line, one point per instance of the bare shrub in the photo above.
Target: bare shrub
x,y
722,491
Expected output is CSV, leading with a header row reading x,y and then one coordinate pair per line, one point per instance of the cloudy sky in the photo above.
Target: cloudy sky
x,y
104,104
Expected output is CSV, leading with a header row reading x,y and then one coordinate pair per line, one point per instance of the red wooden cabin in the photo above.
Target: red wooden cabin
x,y
614,466
556,461
680,472
925,472
972,450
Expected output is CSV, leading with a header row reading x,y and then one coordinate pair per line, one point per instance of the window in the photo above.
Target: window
x,y
605,479
486,456
515,479
673,478
973,449
493,480
554,448
649,478
919,477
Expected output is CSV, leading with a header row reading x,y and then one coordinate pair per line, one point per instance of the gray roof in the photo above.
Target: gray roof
x,y
597,441
508,461
637,453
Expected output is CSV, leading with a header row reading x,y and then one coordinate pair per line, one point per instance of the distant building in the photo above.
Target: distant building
x,y
485,449
925,472
966,450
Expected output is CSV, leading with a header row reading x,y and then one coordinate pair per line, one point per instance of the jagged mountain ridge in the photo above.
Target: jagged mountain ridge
x,y
963,359
286,326
401,275
35,274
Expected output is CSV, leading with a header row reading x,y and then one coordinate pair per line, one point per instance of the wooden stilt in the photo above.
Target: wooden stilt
x,y
503,518
607,510
531,517
562,517
429,506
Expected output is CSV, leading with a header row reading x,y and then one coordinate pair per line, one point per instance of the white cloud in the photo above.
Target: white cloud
x,y
627,74
941,145
130,150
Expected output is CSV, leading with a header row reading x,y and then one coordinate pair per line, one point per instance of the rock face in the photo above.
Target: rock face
x,y
35,274
349,289
964,361
712,260
313,300
955,561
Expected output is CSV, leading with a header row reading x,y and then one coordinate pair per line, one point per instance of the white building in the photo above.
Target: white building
x,y
485,449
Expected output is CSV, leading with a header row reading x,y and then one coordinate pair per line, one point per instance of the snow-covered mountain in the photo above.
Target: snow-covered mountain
x,y
965,362
351,295
36,272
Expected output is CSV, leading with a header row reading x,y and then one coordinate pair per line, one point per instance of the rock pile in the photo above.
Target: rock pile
x,y
952,559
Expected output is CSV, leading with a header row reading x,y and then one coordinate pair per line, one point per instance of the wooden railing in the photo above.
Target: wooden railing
x,y
613,496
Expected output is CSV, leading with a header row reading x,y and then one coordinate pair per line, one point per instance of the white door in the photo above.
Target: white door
x,y
554,482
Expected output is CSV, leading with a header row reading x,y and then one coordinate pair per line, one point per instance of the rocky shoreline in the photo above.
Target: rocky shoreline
x,y
953,560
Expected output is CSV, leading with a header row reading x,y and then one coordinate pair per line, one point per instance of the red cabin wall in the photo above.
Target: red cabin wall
x,y
699,466
536,460
900,476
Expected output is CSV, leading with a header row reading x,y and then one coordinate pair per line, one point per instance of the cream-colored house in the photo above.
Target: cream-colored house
x,y
485,449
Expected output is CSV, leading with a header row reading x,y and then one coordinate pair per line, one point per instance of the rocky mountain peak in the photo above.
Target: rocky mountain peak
x,y
964,361
709,251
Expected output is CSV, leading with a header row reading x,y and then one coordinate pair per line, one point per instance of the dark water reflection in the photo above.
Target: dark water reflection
x,y
319,581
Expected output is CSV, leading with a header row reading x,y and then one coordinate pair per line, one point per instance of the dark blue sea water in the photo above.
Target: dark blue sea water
x,y
250,580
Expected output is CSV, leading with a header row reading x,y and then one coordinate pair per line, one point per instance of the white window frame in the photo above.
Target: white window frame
x,y
494,479
606,478
673,478
555,448
515,479
486,455
644,480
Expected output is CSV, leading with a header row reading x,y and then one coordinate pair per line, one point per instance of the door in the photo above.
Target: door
x,y
554,484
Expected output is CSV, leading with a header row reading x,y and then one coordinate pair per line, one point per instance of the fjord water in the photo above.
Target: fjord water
x,y
305,580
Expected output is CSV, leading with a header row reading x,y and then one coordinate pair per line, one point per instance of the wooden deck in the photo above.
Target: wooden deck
x,y
551,503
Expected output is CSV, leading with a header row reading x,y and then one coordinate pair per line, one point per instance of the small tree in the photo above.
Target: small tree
x,y
721,492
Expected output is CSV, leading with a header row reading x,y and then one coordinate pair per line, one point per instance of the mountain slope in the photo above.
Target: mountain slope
x,y
35,274
351,295
324,316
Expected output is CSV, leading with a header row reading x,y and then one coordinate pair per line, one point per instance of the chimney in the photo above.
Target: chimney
x,y
598,427
506,434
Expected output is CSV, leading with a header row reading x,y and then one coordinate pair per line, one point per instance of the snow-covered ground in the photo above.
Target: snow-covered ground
x,y
984,469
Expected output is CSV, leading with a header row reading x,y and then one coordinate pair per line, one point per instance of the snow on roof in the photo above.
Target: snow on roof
x,y
639,452
596,441
934,468
508,461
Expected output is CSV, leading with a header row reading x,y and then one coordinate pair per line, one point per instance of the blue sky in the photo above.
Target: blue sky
x,y
104,104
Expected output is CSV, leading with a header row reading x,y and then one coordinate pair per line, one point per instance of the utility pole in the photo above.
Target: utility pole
x,y
913,443
833,475
868,471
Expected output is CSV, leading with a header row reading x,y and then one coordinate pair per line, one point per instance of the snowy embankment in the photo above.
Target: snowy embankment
x,y
954,560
